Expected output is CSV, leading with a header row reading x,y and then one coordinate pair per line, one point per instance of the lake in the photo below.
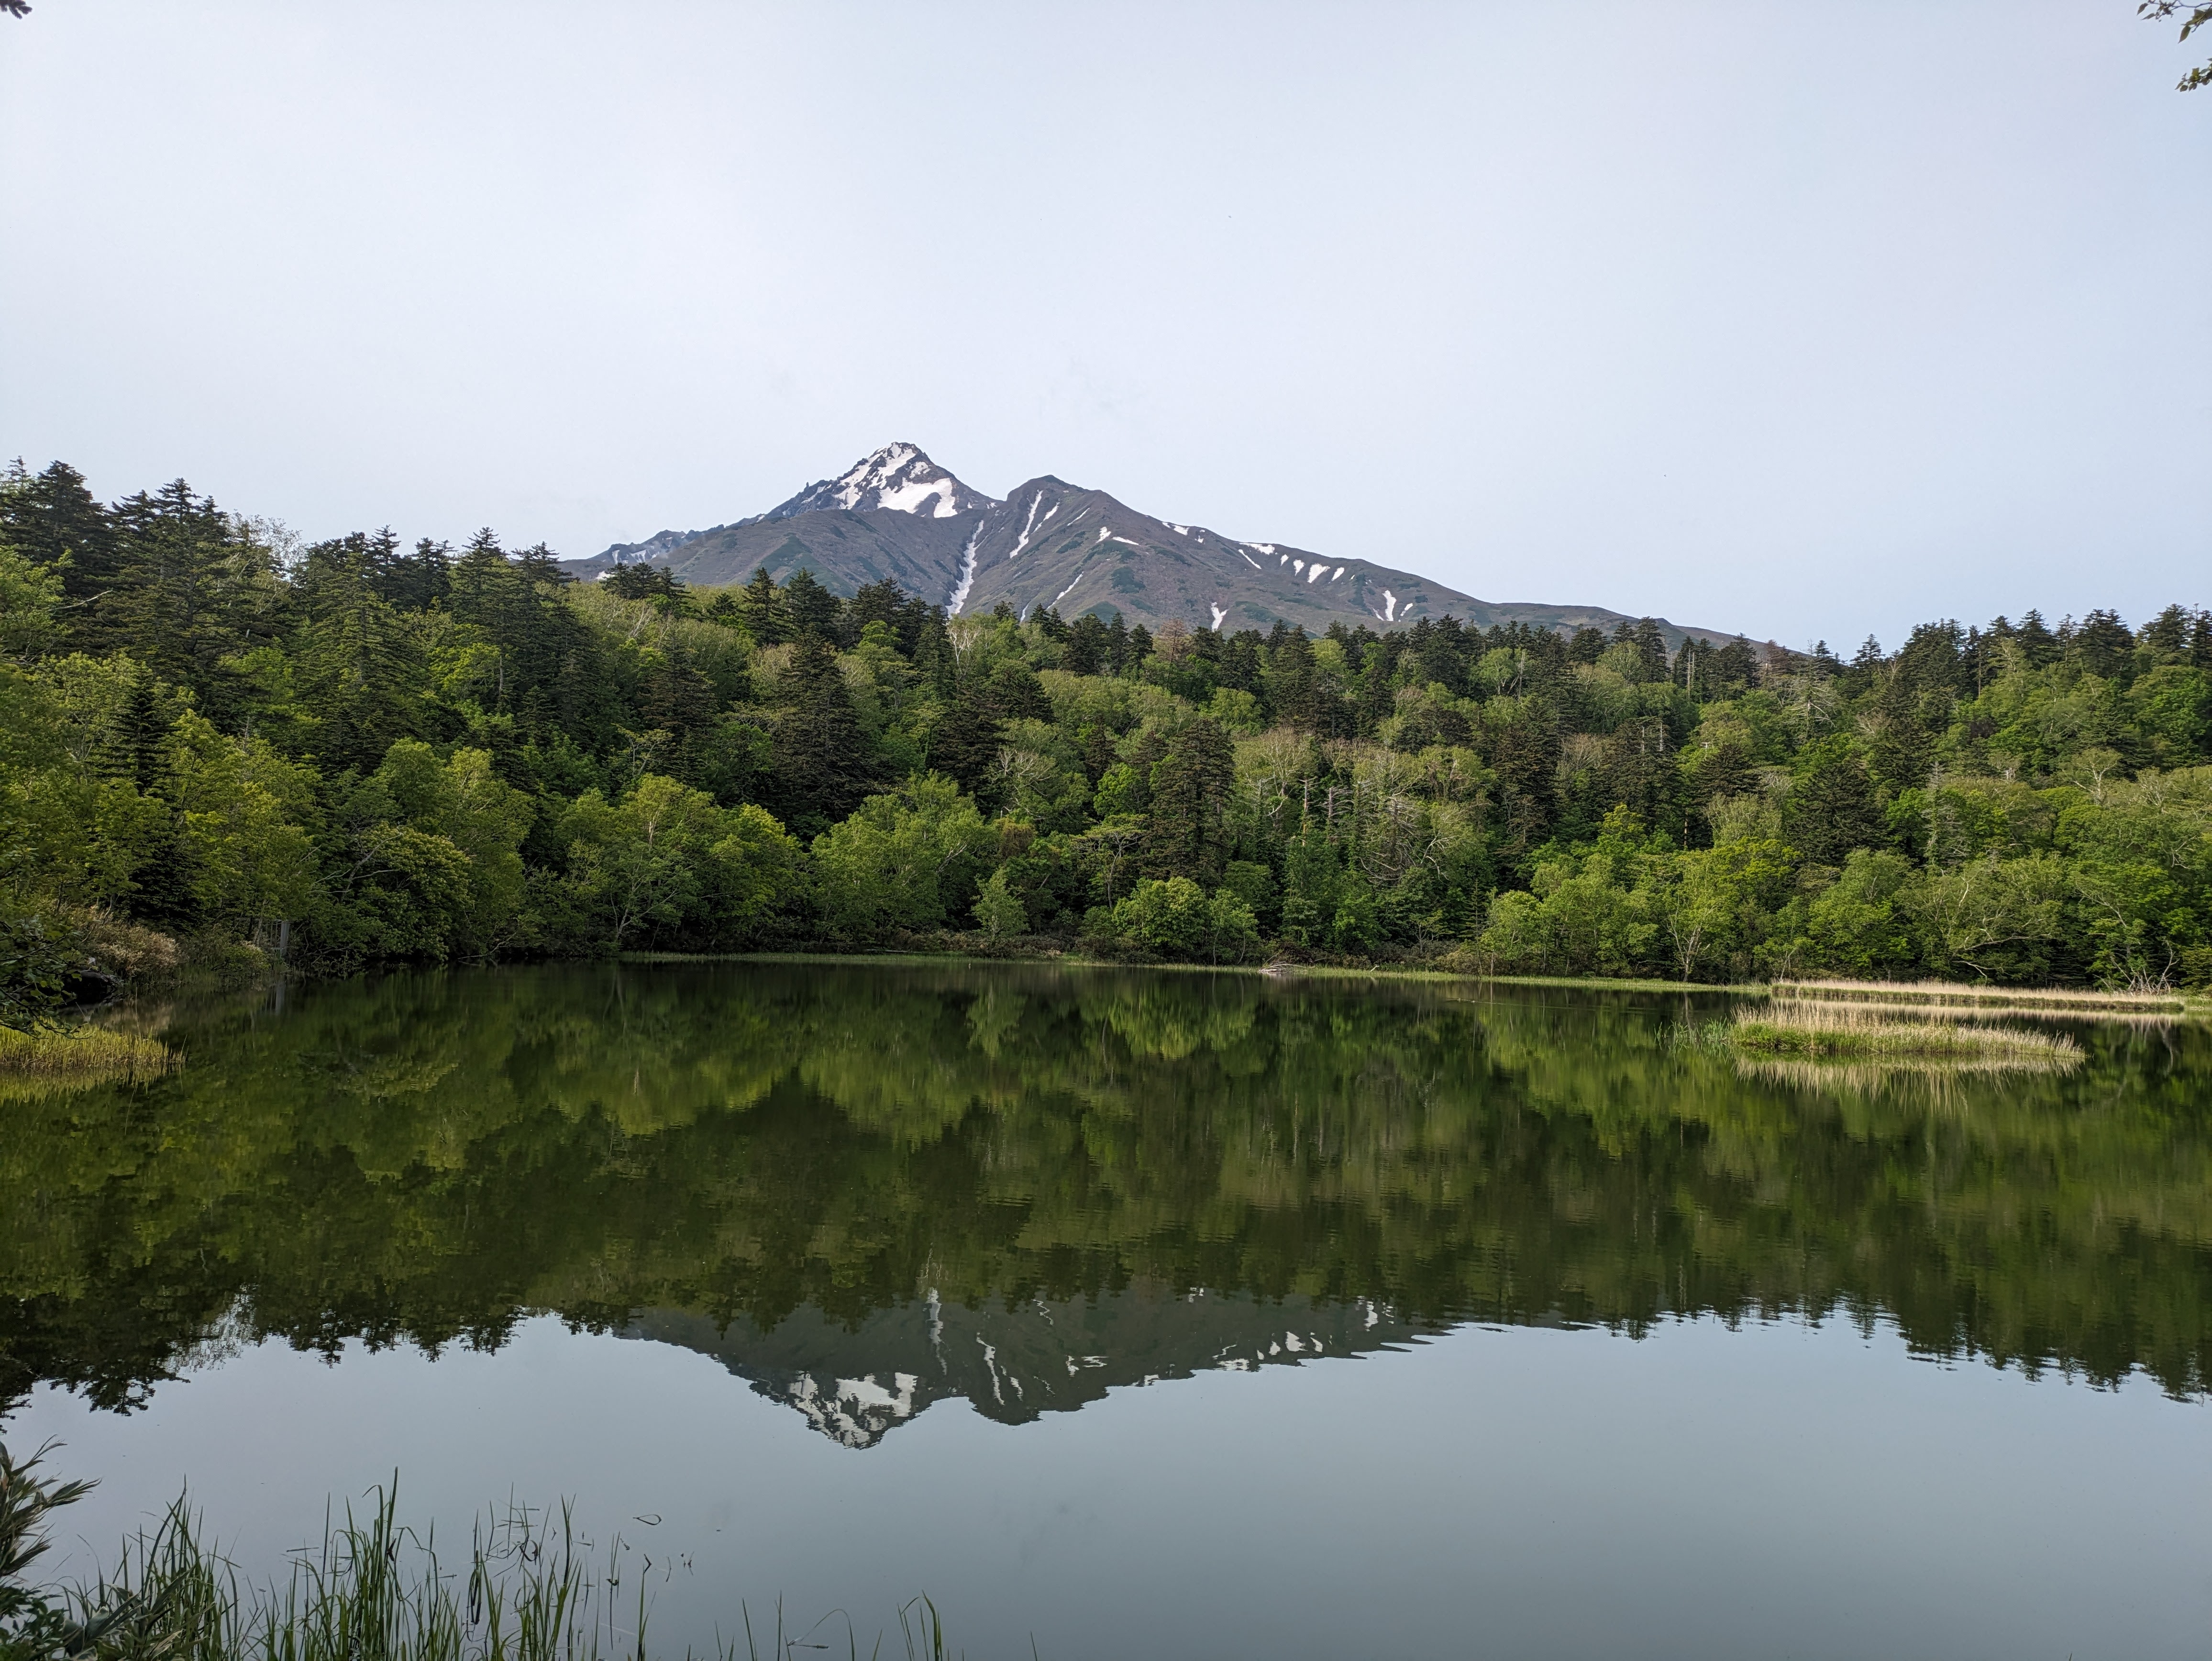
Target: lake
x,y
1143,1313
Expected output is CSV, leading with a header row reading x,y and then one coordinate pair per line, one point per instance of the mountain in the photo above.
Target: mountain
x,y
896,514
897,478
855,1383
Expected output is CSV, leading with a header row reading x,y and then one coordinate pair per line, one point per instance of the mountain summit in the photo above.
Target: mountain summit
x,y
895,515
897,478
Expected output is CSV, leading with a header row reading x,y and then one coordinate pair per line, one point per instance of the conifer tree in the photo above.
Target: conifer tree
x,y
810,607
818,754
764,617
53,519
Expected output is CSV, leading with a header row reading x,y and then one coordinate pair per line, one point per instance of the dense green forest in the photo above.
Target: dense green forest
x,y
211,734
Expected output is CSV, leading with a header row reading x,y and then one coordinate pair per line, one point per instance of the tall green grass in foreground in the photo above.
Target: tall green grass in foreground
x,y
375,1590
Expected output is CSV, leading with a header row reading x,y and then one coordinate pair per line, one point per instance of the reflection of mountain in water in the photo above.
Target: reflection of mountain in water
x,y
796,1151
854,1384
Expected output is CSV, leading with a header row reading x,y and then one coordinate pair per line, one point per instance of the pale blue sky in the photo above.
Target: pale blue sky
x,y
1791,318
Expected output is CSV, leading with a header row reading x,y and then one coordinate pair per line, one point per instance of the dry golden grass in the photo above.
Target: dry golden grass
x,y
1900,1009
55,1059
1954,995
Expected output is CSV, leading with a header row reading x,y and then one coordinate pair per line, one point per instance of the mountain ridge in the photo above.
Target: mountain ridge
x,y
897,515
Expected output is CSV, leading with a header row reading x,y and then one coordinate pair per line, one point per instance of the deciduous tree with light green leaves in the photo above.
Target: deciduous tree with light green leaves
x,y
1177,919
900,857
243,812
664,865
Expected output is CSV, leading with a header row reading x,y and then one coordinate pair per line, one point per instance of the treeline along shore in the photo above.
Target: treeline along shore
x,y
218,740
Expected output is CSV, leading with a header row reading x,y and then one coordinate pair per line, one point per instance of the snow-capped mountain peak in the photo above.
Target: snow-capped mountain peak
x,y
899,478
896,516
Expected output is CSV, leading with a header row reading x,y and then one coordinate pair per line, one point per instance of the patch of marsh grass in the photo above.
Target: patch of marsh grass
x,y
48,1059
1815,1031
1950,996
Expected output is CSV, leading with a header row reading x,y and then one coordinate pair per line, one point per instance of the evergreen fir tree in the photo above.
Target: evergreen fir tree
x,y
52,519
1191,788
765,617
1830,808
818,753
1089,647
2036,640
812,608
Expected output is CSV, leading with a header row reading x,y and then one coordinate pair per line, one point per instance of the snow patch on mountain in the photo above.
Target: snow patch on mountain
x,y
907,496
966,580
1029,525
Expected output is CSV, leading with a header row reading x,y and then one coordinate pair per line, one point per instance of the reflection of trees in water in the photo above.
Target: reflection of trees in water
x,y
422,1157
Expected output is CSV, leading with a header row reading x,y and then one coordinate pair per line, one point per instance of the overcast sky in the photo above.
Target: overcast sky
x,y
1792,318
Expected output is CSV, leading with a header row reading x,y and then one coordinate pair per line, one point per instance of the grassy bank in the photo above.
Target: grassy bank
x,y
50,1059
529,1588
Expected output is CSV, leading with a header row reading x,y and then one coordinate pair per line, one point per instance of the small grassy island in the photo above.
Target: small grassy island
x,y
1843,1032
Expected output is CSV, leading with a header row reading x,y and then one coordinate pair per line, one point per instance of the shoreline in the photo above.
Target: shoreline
x,y
1273,970
2077,1003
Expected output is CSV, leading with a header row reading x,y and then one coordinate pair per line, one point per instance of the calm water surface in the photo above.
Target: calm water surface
x,y
1150,1313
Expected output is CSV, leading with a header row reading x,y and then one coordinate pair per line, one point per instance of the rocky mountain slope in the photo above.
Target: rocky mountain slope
x,y
898,515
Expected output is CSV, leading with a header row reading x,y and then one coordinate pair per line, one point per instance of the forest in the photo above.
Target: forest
x,y
217,741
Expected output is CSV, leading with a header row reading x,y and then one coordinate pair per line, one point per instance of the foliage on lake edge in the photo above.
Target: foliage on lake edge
x,y
376,1589
356,754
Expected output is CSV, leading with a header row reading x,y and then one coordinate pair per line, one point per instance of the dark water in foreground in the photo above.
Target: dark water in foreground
x,y
1163,1314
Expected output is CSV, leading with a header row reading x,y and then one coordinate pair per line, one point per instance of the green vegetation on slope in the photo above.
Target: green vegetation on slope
x,y
210,733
